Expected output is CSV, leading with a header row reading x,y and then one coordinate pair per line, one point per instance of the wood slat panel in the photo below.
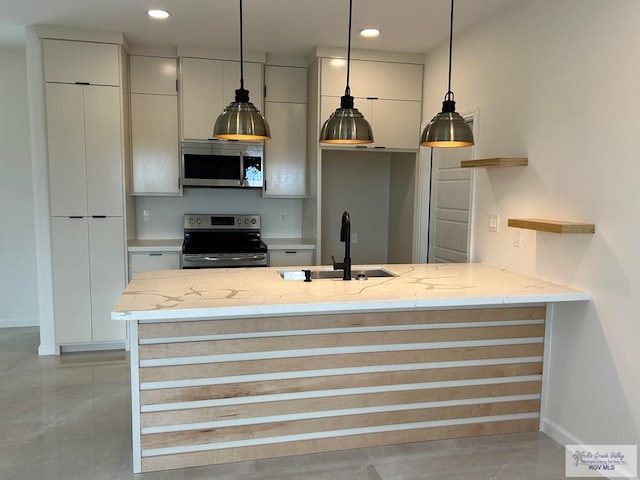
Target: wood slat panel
x,y
331,444
295,427
270,387
319,362
217,347
363,400
309,322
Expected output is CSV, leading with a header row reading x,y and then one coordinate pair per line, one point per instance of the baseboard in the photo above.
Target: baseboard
x,y
19,322
564,437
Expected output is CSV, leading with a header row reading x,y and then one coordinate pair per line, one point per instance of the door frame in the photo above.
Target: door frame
x,y
424,171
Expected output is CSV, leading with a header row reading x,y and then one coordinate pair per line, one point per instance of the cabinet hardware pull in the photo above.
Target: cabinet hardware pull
x,y
372,98
289,251
98,216
155,254
83,83
76,216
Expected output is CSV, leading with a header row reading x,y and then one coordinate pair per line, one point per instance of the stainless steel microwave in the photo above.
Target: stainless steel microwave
x,y
222,163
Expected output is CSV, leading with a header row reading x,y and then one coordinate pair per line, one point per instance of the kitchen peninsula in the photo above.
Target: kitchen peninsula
x,y
238,364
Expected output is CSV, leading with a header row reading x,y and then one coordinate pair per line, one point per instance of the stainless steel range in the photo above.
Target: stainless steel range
x,y
223,241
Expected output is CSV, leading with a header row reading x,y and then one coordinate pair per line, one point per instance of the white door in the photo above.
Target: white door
x,y
450,206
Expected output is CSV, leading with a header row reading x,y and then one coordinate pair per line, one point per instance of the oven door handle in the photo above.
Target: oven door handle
x,y
217,259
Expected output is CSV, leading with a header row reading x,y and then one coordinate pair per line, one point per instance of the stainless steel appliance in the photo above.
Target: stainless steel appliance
x,y
220,163
222,241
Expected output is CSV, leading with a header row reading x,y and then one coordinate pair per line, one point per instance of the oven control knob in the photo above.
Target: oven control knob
x,y
253,221
246,221
239,221
191,221
198,221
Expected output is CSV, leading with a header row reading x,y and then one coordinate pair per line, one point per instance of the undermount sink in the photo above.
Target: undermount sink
x,y
356,274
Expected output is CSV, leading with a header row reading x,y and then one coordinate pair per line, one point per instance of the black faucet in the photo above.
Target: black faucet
x,y
345,236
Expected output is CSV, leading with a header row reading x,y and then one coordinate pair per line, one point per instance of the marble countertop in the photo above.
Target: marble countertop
x,y
168,245
289,243
251,292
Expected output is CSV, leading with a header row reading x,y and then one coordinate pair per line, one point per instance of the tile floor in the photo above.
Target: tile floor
x,y
67,418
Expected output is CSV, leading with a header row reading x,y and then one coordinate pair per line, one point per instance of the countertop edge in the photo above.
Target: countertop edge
x,y
329,308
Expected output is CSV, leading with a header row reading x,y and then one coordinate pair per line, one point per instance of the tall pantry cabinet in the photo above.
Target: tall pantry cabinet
x,y
86,166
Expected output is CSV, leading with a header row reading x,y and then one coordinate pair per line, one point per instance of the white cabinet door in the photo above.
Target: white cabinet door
x,y
208,86
290,258
154,141
201,96
285,155
392,81
88,278
252,81
143,261
71,287
285,84
386,115
107,274
85,150
81,62
103,144
66,144
154,75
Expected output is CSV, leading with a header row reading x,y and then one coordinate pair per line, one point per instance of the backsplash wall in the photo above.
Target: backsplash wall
x,y
166,213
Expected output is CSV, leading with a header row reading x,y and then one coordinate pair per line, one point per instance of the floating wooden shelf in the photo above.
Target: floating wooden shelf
x,y
495,162
553,226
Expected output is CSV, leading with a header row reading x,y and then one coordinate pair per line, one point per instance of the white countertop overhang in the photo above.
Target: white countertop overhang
x,y
261,292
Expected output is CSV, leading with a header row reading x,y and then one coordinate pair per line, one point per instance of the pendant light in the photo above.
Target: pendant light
x,y
241,120
448,128
346,125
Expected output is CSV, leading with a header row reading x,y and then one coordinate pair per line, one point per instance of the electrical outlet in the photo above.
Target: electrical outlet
x,y
146,215
517,239
354,238
283,217
494,222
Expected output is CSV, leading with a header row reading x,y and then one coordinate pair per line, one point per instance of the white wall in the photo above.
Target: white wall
x,y
166,212
557,82
18,279
357,182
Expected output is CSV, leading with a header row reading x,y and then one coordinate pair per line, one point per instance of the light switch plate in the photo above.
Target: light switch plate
x,y
494,222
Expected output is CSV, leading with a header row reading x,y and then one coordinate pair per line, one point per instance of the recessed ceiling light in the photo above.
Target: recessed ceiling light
x,y
160,14
370,32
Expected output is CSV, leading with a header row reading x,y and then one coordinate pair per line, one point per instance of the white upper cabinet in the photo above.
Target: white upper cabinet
x,y
389,95
253,81
154,126
392,81
153,75
154,144
81,62
85,150
285,155
285,84
201,96
208,86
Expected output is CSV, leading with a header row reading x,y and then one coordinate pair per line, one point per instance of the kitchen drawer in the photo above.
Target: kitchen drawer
x,y
288,258
141,261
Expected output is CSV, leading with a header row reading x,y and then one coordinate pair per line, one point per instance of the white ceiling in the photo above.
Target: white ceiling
x,y
283,27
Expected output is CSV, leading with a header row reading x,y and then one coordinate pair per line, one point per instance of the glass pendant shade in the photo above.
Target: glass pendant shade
x,y
346,126
447,129
241,120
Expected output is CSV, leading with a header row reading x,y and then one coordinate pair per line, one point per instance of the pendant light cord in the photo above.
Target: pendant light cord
x,y
347,90
242,55
449,94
